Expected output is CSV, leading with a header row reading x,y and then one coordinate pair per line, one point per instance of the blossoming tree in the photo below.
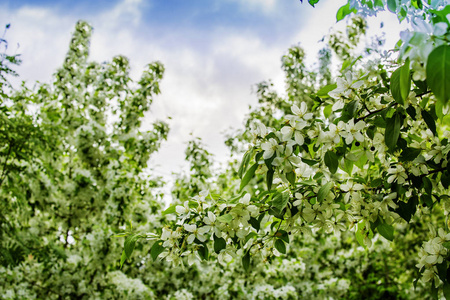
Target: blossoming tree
x,y
73,160
367,154
342,192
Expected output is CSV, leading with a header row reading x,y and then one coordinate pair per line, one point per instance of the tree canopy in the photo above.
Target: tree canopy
x,y
336,189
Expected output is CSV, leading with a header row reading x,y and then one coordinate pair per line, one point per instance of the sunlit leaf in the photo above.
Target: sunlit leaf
x,y
438,72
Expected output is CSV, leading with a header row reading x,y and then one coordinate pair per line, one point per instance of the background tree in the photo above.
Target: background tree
x,y
74,173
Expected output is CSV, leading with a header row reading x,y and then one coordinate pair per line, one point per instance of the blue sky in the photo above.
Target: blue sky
x,y
214,51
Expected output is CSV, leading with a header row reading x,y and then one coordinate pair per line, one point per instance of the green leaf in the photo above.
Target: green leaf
x,y
309,162
269,178
219,244
427,200
386,230
446,245
392,131
376,182
417,4
434,290
323,92
236,199
255,223
122,234
280,246
439,108
246,261
281,234
344,11
250,236
411,112
349,110
327,110
156,249
401,83
442,271
226,218
409,154
347,166
313,2
280,200
331,161
324,191
446,290
123,258
429,120
407,210
248,176
438,73
440,15
170,210
291,178
392,5
245,162
130,242
360,238
203,252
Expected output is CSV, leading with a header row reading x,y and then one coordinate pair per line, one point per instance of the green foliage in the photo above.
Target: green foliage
x,y
344,11
351,172
438,73
393,126
401,83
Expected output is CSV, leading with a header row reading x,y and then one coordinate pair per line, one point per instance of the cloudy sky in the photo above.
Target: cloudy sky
x,y
214,51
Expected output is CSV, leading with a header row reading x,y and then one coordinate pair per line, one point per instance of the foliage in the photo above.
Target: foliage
x,y
340,191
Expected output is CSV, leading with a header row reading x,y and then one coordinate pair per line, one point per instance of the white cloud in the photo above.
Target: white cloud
x,y
123,15
266,6
42,36
206,88
205,92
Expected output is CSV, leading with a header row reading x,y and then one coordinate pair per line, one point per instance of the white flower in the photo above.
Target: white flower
x,y
302,111
287,161
211,225
352,190
338,105
183,212
429,275
303,170
353,131
169,237
269,148
196,232
309,213
192,257
226,255
240,214
397,172
435,252
245,200
345,86
336,131
442,237
299,198
294,127
258,129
